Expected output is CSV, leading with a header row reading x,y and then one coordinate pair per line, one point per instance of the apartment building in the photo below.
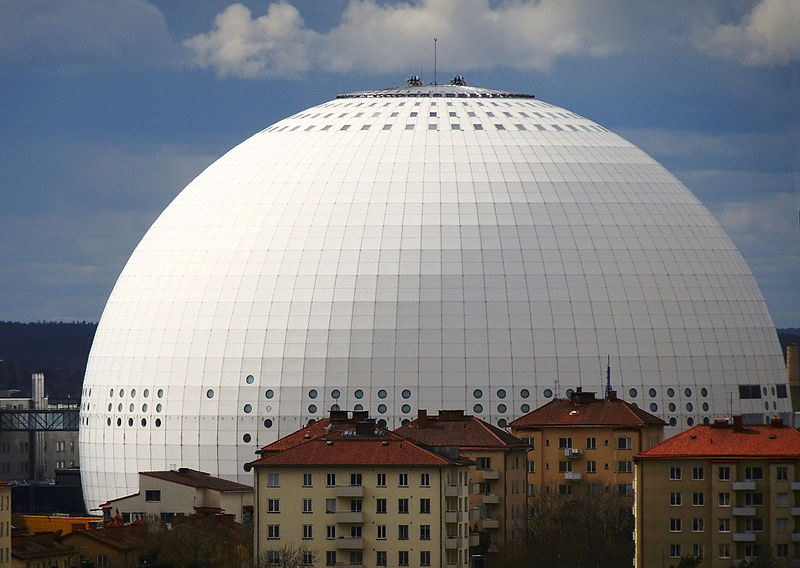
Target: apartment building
x,y
497,477
725,491
167,494
583,441
359,495
5,524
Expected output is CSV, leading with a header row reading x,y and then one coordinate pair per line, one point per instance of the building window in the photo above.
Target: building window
x,y
307,506
698,498
273,532
484,463
402,480
356,505
674,550
330,558
625,489
674,525
273,557
782,549
308,532
725,499
424,532
782,499
782,473
424,506
591,443
724,473
381,480
402,558
675,473
424,479
531,467
565,489
753,473
330,531
402,506
754,524
698,524
724,525
380,558
355,480
402,532
564,443
381,534
753,550
698,473
425,557
307,480
782,525
273,505
591,466
753,498
624,443
330,480
675,498
330,505
725,550
697,550
380,506
152,495
273,479
308,557
564,466
625,467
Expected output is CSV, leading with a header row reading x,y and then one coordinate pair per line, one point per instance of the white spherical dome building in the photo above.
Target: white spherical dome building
x,y
419,247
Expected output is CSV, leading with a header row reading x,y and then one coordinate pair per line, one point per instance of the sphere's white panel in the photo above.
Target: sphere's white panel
x,y
406,252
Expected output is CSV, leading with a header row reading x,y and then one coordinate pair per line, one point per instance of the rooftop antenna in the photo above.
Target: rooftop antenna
x,y
608,375
558,387
435,42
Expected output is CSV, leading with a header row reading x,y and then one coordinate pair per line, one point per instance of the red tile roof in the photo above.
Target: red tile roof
x,y
341,448
723,441
454,428
124,537
318,428
583,409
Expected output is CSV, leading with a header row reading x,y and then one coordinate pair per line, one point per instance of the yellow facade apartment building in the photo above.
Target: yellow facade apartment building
x,y
726,492
350,493
583,441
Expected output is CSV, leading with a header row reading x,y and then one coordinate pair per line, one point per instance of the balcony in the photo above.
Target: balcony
x,y
743,511
474,514
572,453
349,490
349,543
490,523
349,516
489,474
474,539
795,511
743,485
795,485
572,476
453,490
744,537
453,543
454,516
490,499
795,537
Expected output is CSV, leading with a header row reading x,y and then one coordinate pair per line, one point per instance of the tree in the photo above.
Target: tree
x,y
288,556
592,528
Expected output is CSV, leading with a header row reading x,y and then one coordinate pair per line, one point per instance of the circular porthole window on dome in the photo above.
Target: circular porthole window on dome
x,y
502,423
382,393
144,407
160,393
119,421
312,408
358,407
704,392
268,423
689,407
108,421
671,407
158,407
249,379
690,421
121,393
548,393
382,423
405,409
673,421
477,393
687,392
652,393
477,409
146,393
130,422
653,407
133,393
670,392
269,393
335,407
633,393
312,393
525,408
247,467
335,394
501,393
144,422
110,407
248,408
382,409
210,393
158,422
501,408
406,393
246,438
524,393
360,393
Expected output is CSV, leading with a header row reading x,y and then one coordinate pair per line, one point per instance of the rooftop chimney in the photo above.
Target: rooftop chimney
x,y
776,422
738,424
611,395
338,416
451,415
720,423
422,418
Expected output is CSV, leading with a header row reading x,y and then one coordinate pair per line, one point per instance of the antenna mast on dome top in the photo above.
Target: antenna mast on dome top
x,y
435,42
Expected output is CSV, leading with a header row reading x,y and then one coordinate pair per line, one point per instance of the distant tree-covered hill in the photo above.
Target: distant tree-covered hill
x,y
60,351
57,349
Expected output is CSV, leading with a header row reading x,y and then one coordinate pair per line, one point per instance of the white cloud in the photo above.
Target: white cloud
x,y
79,34
373,37
768,35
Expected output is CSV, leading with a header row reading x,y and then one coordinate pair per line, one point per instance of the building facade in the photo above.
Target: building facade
x,y
5,524
182,492
497,477
583,441
725,492
362,497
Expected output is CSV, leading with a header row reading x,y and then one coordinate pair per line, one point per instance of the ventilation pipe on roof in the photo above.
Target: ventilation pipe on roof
x,y
422,418
738,423
776,422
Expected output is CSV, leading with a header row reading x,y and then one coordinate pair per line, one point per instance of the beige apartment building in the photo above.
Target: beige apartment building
x,y
359,495
583,441
497,477
167,494
5,524
726,492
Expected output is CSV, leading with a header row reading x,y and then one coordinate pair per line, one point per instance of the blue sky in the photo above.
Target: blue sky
x,y
110,107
